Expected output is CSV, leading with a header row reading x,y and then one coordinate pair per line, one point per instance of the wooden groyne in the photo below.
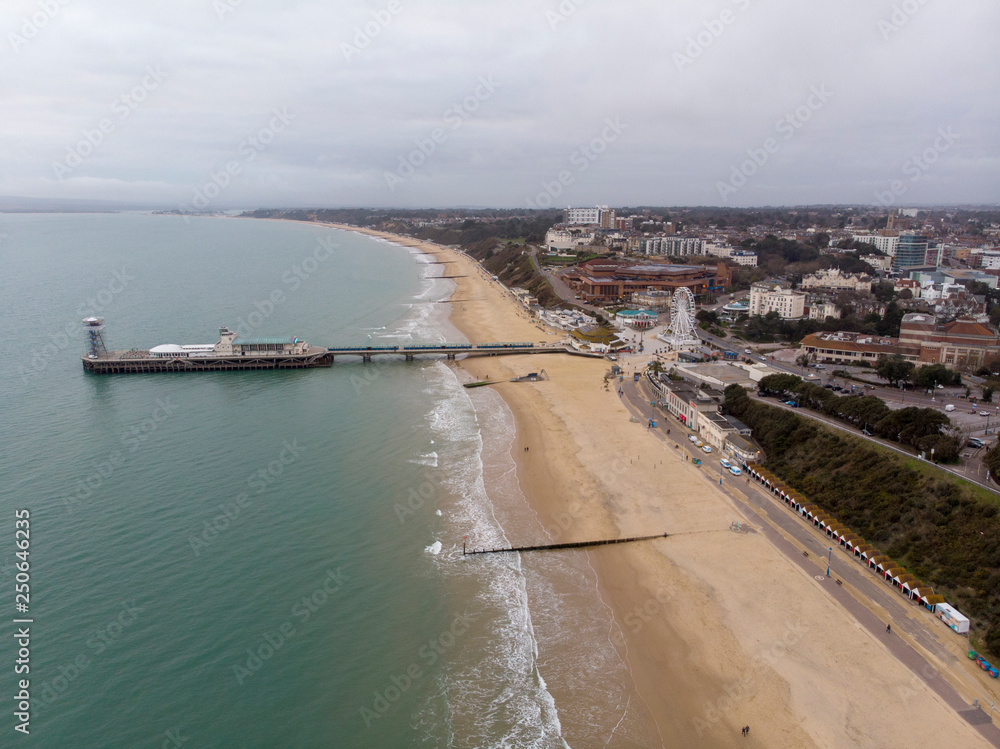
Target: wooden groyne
x,y
575,545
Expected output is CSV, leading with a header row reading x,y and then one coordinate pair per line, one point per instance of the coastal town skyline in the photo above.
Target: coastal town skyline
x,y
213,106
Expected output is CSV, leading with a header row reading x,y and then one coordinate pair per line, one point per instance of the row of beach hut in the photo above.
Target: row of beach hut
x,y
892,572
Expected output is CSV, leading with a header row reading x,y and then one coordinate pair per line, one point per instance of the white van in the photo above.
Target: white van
x,y
949,407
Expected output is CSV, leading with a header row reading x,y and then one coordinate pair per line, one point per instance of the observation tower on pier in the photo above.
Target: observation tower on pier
x,y
95,334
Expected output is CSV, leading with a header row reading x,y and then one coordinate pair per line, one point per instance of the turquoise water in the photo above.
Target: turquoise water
x,y
267,559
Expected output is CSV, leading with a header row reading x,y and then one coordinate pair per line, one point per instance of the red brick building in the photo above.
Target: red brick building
x,y
605,281
961,344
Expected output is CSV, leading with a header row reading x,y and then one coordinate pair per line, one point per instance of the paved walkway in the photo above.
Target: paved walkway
x,y
771,515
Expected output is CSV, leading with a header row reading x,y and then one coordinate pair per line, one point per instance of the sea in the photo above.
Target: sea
x,y
272,559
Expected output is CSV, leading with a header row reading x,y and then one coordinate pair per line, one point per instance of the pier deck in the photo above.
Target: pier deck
x,y
141,362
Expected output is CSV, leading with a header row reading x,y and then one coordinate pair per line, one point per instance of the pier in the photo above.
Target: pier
x,y
451,350
233,353
574,545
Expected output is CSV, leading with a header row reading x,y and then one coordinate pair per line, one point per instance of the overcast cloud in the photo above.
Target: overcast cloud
x,y
501,102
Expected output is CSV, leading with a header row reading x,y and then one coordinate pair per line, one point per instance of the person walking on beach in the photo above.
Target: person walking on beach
x,y
888,628
743,730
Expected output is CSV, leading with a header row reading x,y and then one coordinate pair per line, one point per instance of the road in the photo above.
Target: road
x,y
869,600
559,286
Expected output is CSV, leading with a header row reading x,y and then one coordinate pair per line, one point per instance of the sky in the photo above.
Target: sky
x,y
220,104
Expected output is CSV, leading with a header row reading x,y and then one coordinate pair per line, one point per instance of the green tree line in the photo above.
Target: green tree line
x,y
921,428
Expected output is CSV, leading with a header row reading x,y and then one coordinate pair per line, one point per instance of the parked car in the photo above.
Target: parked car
x,y
693,437
976,442
735,470
706,448
793,404
725,463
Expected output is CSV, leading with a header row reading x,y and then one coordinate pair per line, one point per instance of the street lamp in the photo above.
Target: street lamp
x,y
829,557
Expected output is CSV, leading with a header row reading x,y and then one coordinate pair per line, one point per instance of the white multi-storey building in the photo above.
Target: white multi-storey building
x,y
769,297
885,244
598,216
668,245
746,258
988,259
881,263
556,240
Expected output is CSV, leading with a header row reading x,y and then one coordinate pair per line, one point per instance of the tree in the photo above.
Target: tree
x,y
778,383
883,292
987,395
894,368
930,375
802,360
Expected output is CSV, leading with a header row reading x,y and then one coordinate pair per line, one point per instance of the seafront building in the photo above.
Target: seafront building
x,y
962,343
602,280
698,409
772,297
636,319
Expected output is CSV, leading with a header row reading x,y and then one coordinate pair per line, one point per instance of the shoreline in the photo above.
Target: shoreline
x,y
718,630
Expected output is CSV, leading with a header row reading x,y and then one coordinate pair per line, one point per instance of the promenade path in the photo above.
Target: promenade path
x,y
871,602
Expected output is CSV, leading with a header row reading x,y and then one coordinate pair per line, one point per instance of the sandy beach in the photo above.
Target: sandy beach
x,y
718,629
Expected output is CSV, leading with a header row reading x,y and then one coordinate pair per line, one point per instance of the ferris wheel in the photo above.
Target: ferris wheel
x,y
682,320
